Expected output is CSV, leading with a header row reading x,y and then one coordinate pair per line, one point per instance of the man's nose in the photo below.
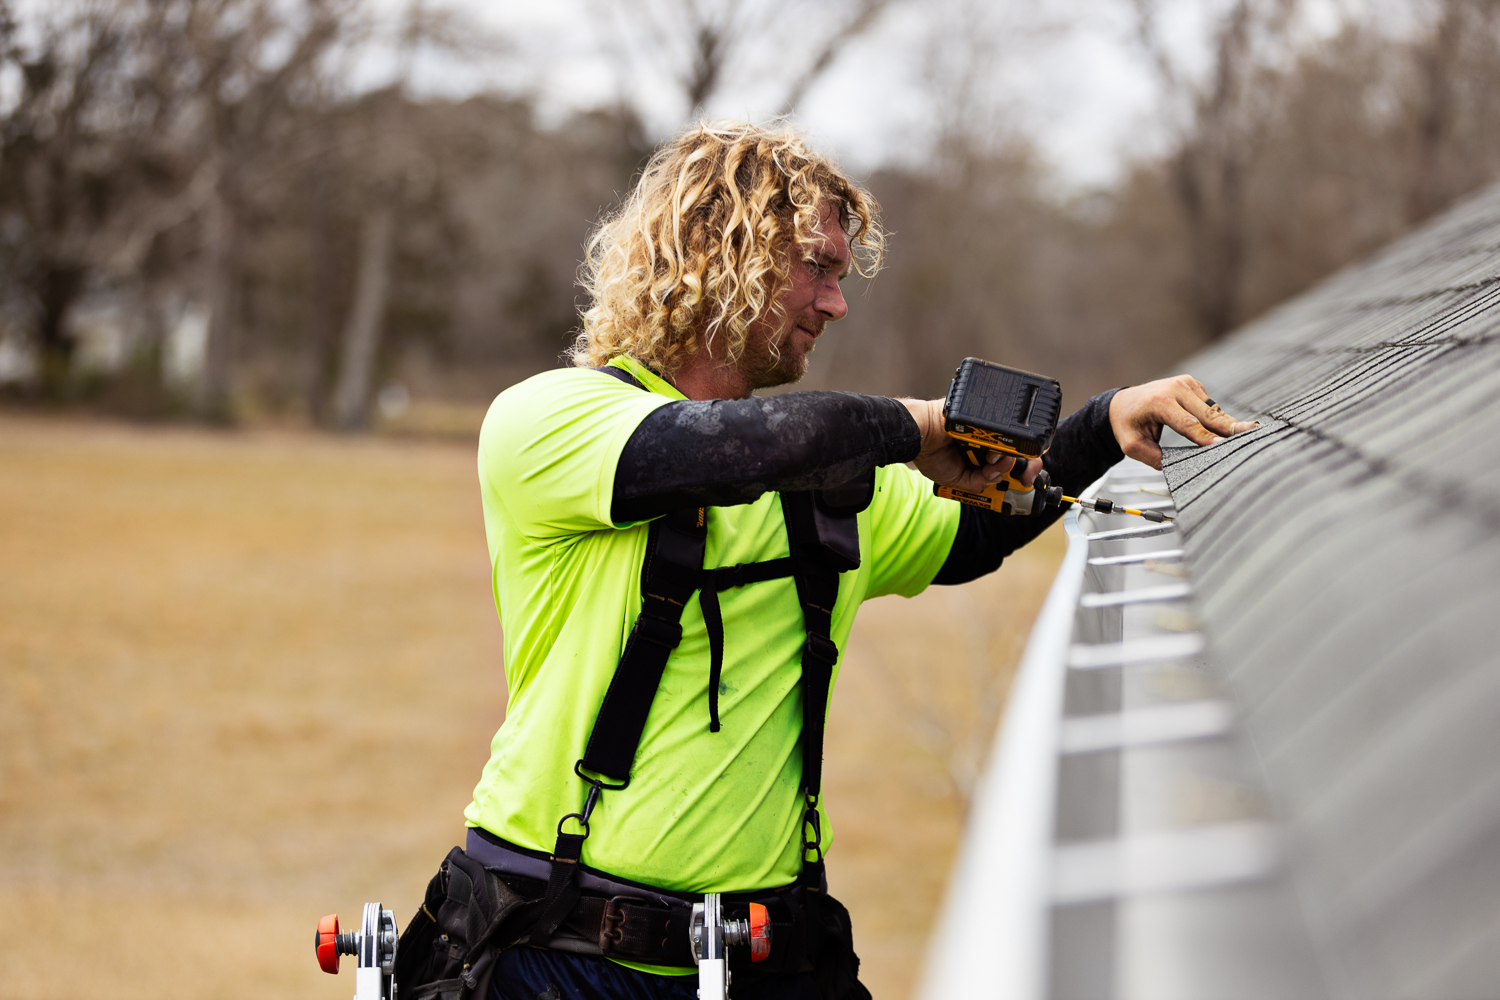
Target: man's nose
x,y
831,301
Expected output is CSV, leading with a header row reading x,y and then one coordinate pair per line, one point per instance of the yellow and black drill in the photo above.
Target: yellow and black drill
x,y
991,408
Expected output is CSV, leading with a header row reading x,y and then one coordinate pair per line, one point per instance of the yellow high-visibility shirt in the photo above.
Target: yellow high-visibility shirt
x,y
705,811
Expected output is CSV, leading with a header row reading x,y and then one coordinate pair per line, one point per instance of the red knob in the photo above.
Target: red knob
x,y
760,933
327,943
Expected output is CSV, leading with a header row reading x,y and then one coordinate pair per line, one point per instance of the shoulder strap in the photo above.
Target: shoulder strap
x,y
817,591
669,575
823,533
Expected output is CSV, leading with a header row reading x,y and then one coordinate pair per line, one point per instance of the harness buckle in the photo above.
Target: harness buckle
x,y
811,820
822,650
654,630
729,577
588,806
599,783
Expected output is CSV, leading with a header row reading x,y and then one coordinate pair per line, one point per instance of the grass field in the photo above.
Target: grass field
x,y
250,678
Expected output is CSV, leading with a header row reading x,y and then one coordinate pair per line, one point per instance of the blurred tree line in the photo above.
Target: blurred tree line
x,y
199,213
1285,161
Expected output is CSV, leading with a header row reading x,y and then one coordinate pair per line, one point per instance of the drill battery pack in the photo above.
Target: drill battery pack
x,y
1002,409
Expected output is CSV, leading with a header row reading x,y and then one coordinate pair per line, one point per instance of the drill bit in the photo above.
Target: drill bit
x,y
1110,507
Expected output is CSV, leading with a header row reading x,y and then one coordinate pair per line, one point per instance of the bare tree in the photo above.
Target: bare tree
x,y
1219,122
361,340
389,153
253,61
701,44
62,173
136,117
384,151
1462,32
856,21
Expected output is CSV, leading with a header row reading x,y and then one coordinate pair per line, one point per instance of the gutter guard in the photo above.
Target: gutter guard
x,y
1070,858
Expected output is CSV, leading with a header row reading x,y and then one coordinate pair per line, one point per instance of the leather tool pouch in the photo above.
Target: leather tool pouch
x,y
835,966
447,951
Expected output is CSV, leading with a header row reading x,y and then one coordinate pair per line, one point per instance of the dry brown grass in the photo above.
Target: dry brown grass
x,y
247,679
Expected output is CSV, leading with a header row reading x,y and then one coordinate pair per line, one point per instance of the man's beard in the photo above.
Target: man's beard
x,y
767,365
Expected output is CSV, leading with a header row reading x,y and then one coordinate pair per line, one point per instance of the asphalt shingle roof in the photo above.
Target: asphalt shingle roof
x,y
1346,565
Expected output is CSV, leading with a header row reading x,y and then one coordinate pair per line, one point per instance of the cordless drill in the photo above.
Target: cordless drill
x,y
991,408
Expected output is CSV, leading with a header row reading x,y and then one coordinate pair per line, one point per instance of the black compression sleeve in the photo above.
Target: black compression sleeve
x,y
722,452
1082,451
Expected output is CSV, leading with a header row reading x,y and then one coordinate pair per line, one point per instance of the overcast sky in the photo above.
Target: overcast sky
x,y
1065,71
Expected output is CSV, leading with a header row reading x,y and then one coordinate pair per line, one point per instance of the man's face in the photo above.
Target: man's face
x,y
776,348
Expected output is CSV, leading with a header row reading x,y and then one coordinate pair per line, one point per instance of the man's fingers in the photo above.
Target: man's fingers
x,y
1144,449
1137,415
1190,427
993,471
1002,466
1212,416
1202,406
1180,386
1026,470
975,480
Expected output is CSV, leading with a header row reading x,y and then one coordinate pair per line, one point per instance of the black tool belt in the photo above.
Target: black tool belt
x,y
618,918
487,899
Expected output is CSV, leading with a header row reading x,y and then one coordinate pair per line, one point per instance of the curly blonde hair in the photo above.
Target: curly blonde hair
x,y
704,244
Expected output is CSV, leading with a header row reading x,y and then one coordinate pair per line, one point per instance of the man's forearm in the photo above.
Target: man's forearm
x,y
1082,451
724,452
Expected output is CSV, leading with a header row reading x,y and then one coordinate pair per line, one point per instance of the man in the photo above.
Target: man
x,y
639,766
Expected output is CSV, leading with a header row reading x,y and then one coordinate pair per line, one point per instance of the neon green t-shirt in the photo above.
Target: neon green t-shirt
x,y
705,812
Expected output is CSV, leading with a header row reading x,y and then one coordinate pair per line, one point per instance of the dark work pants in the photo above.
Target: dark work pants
x,y
536,974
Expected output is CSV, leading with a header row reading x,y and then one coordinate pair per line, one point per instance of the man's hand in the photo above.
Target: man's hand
x,y
942,459
1137,415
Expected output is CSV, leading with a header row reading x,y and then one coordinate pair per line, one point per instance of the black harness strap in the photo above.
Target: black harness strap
x,y
817,591
818,562
669,575
823,539
562,883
